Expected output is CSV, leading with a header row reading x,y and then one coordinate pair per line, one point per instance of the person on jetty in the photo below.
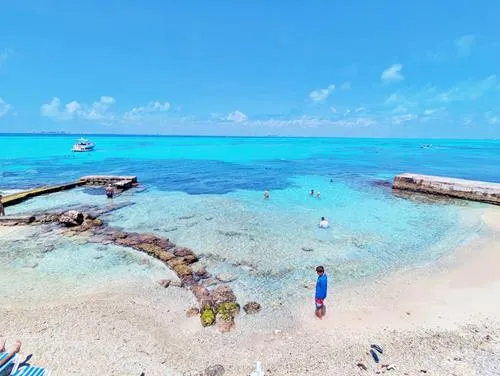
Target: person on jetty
x,y
266,195
2,210
323,223
10,355
110,191
321,292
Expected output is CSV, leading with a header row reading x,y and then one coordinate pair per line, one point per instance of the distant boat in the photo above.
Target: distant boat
x,y
83,145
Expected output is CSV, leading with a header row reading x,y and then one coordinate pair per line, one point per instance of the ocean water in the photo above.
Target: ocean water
x,y
207,193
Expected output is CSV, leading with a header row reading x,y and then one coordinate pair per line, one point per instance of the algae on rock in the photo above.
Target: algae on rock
x,y
227,311
207,316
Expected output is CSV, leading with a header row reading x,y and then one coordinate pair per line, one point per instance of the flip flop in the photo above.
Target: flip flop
x,y
374,356
378,348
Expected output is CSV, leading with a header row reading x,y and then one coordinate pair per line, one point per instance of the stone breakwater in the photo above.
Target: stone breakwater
x,y
215,306
442,186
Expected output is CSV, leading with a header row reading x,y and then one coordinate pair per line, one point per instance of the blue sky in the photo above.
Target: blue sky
x,y
319,68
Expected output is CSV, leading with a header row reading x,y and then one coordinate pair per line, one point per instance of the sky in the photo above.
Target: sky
x,y
292,68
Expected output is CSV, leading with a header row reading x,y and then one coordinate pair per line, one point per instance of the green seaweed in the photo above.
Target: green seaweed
x,y
207,316
227,311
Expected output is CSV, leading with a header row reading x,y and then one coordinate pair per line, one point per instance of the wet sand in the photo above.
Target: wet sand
x,y
443,319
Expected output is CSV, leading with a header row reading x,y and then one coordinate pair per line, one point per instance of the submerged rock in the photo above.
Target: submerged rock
x,y
223,294
184,272
251,307
202,273
202,295
216,370
226,312
183,252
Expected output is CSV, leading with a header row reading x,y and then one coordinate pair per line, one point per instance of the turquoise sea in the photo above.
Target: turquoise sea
x,y
207,193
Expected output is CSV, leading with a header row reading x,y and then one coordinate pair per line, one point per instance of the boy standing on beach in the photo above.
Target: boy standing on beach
x,y
321,292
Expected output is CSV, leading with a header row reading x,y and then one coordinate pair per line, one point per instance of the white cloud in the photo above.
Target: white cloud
x,y
400,119
4,55
346,86
464,44
72,107
333,109
98,111
52,110
360,109
347,112
467,122
319,95
400,110
432,111
394,98
491,118
153,107
4,107
469,90
313,122
237,117
392,74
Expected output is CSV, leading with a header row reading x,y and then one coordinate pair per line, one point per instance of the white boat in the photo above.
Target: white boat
x,y
83,145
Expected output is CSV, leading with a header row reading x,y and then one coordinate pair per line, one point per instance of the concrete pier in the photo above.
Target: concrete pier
x,y
16,198
443,186
121,183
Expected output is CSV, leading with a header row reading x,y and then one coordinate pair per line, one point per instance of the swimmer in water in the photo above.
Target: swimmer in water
x,y
311,193
324,223
318,195
266,195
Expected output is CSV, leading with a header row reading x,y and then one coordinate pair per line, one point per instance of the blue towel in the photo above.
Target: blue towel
x,y
7,367
30,371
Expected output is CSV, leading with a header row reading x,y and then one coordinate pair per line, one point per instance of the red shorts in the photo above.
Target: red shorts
x,y
319,303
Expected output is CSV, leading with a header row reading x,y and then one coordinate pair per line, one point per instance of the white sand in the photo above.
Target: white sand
x,y
435,319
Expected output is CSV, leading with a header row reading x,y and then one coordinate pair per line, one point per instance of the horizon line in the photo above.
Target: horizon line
x,y
55,133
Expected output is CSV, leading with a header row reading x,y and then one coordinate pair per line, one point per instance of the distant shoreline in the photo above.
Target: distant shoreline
x,y
73,134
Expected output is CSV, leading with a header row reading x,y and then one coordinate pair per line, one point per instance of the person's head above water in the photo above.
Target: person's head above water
x,y
320,270
322,218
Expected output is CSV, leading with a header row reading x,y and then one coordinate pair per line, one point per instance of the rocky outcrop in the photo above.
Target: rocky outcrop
x,y
223,294
71,218
214,305
458,188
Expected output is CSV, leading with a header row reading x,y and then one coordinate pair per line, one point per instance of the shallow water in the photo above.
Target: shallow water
x,y
206,193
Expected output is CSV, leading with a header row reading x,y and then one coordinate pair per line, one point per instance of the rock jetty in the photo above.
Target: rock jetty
x,y
457,188
214,306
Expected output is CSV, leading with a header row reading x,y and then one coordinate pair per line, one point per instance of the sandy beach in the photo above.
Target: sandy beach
x,y
442,319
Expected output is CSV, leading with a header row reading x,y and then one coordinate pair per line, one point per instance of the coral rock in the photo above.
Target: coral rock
x,y
223,294
251,307
71,218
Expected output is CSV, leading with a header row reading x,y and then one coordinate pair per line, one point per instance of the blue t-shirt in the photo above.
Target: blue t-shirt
x,y
321,286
